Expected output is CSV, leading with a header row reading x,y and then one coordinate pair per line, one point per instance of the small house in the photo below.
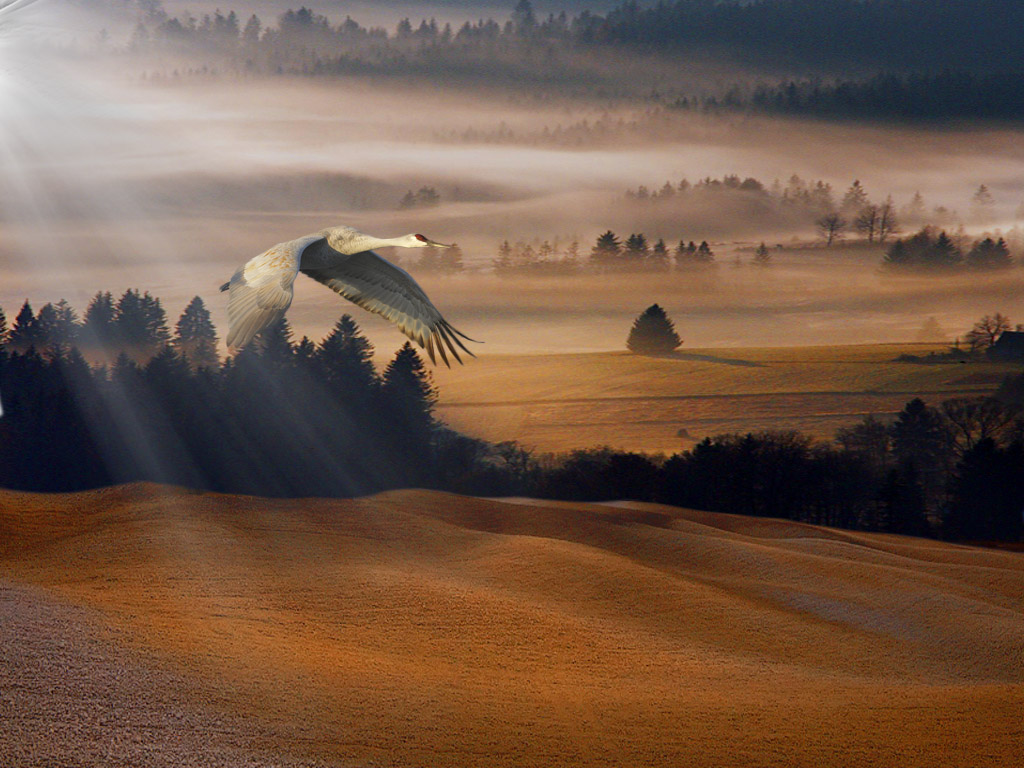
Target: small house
x,y
1008,347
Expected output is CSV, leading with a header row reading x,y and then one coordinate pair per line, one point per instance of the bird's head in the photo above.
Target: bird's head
x,y
419,241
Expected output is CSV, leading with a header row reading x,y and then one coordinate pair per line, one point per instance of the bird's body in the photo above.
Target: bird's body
x,y
342,258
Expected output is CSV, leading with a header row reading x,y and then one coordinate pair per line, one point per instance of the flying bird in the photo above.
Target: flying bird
x,y
343,259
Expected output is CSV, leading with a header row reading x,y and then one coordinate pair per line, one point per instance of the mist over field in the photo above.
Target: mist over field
x,y
734,478
127,168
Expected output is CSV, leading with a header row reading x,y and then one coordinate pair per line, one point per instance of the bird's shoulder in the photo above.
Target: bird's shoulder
x,y
283,257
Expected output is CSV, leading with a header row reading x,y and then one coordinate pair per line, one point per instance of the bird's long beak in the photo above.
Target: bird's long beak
x,y
437,245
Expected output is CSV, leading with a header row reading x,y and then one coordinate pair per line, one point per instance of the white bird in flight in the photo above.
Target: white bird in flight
x,y
342,259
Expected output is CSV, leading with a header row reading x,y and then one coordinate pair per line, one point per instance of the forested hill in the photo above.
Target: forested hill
x,y
797,37
839,59
836,34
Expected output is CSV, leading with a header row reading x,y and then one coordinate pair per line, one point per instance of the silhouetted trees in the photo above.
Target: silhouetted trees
x,y
23,335
547,259
653,333
600,474
987,493
98,323
831,227
987,331
762,256
424,197
915,78
410,394
989,254
924,251
279,418
606,253
195,338
286,418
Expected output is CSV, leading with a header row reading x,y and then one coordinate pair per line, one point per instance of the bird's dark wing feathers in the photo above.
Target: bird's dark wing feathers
x,y
379,286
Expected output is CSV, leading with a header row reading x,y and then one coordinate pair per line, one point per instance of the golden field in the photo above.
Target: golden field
x,y
566,401
425,629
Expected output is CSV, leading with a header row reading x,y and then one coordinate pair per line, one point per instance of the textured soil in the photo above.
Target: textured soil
x,y
149,626
71,694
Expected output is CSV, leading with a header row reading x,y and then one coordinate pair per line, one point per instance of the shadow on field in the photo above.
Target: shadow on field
x,y
714,359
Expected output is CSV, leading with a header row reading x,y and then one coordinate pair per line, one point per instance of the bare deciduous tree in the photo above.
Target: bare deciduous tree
x,y
831,227
971,420
888,224
985,332
867,221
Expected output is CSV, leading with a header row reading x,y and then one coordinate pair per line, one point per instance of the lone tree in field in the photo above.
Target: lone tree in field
x,y
762,256
653,333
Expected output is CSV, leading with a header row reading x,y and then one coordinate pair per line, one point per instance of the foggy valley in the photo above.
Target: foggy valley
x,y
117,178
731,473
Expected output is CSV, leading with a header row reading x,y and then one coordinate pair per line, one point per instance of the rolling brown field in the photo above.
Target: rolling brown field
x,y
567,401
147,625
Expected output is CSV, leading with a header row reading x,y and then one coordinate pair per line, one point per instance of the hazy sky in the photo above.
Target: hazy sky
x,y
109,183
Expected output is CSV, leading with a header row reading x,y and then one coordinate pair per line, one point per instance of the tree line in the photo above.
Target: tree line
x,y
931,250
954,471
302,418
894,34
279,418
815,202
610,253
973,75
947,95
134,325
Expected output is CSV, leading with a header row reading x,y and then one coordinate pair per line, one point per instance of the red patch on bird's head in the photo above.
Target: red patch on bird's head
x,y
421,238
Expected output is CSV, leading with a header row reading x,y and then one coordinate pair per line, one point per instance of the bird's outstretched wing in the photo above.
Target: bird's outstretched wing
x,y
377,285
261,290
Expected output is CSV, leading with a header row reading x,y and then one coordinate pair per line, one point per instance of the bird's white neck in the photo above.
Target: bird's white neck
x,y
348,240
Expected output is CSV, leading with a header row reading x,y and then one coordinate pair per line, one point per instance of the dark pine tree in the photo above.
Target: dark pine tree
x,y
141,324
606,251
921,439
408,399
274,344
24,335
658,260
653,333
56,328
635,251
98,329
944,253
195,338
345,364
989,254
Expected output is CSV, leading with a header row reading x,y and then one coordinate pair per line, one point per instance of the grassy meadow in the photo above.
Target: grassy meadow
x,y
566,401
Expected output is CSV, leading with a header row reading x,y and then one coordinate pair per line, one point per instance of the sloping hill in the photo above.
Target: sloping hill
x,y
417,628
568,401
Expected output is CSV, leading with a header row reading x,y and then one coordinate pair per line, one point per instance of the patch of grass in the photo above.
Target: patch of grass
x,y
560,402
